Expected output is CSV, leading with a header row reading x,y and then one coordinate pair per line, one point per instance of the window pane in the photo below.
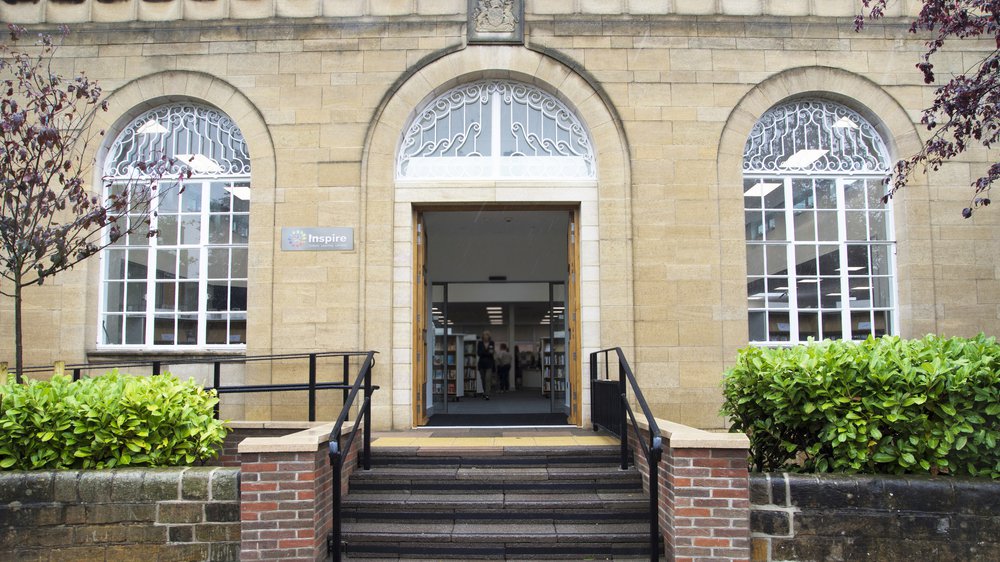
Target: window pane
x,y
189,265
829,259
807,296
881,292
138,264
241,229
163,330
238,295
114,296
187,330
861,292
779,328
857,259
168,198
755,292
861,325
826,194
753,201
877,228
774,225
808,325
805,226
237,330
876,190
114,264
833,326
166,230
187,297
755,260
135,299
220,198
882,321
754,225
216,331
140,232
218,263
826,221
241,197
777,259
135,330
855,194
218,296
218,229
758,326
191,198
112,328
830,296
166,264
802,194
805,260
166,295
879,259
857,225
191,230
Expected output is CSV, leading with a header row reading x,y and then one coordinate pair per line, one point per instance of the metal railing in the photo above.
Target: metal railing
x,y
363,380
156,366
610,409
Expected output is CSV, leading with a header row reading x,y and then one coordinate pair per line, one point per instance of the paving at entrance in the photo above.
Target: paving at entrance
x,y
485,439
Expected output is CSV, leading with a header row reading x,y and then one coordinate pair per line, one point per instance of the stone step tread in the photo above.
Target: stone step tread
x,y
494,532
585,498
509,473
511,553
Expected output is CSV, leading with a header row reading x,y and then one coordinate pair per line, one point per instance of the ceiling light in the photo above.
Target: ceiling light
x,y
845,123
803,158
199,163
853,268
801,281
241,192
151,127
761,189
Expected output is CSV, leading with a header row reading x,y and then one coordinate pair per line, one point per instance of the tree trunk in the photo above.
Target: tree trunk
x,y
18,344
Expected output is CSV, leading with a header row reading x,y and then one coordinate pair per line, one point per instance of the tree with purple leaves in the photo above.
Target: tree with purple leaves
x,y
49,220
966,109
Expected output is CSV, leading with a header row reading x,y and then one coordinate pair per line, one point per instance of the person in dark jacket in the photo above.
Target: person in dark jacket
x,y
485,351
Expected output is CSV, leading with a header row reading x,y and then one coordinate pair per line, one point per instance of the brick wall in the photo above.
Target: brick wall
x,y
704,503
873,518
178,514
287,495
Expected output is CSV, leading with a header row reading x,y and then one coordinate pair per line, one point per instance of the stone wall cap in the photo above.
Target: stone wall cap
x,y
680,436
307,440
274,424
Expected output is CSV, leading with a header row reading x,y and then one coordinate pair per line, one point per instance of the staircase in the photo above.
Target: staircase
x,y
566,503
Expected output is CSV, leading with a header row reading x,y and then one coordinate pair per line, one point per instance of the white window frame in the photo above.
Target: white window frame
x,y
461,134
781,134
214,151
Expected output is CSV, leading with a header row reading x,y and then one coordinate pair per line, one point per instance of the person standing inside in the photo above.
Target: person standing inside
x,y
485,350
503,368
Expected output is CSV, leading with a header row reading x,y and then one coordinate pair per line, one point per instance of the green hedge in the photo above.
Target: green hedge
x,y
107,421
882,406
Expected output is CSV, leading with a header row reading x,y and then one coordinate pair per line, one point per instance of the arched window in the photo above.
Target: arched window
x,y
187,285
495,130
820,247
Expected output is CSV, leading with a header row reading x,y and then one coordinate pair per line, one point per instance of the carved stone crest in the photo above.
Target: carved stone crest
x,y
496,21
495,16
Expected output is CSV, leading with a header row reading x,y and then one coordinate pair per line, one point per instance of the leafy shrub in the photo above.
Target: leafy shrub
x,y
882,406
107,421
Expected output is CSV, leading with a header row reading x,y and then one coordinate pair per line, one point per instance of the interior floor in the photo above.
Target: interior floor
x,y
525,401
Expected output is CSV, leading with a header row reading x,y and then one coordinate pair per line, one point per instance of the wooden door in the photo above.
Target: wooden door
x,y
574,350
419,304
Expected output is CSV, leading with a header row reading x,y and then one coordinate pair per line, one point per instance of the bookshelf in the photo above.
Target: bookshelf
x,y
553,355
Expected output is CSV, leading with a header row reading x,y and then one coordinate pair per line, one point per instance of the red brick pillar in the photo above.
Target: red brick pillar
x,y
707,507
286,495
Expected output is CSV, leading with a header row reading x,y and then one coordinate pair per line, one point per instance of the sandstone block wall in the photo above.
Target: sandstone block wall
x,y
120,515
680,83
876,518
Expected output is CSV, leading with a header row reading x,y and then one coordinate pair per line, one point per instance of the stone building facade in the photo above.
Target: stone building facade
x,y
667,94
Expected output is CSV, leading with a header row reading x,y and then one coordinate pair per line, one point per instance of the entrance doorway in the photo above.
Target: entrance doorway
x,y
510,272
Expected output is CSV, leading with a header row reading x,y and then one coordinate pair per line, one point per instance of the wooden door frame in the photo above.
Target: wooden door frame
x,y
573,351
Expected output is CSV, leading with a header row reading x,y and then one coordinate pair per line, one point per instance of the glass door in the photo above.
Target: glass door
x,y
552,348
443,366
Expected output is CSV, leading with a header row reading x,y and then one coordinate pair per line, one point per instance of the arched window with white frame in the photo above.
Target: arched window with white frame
x,y
496,129
819,236
186,286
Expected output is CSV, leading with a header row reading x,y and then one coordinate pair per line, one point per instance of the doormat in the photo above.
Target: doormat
x,y
487,420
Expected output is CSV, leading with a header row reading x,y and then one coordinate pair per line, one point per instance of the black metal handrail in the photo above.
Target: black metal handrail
x,y
609,407
336,451
156,367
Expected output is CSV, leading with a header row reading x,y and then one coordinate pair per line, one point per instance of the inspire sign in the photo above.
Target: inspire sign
x,y
300,238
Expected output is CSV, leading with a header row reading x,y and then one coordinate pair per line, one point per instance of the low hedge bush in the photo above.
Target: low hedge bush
x,y
106,421
882,406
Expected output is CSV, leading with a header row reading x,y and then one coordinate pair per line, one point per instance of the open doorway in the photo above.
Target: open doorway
x,y
509,272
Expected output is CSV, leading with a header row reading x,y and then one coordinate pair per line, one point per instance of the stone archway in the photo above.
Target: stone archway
x,y
386,242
